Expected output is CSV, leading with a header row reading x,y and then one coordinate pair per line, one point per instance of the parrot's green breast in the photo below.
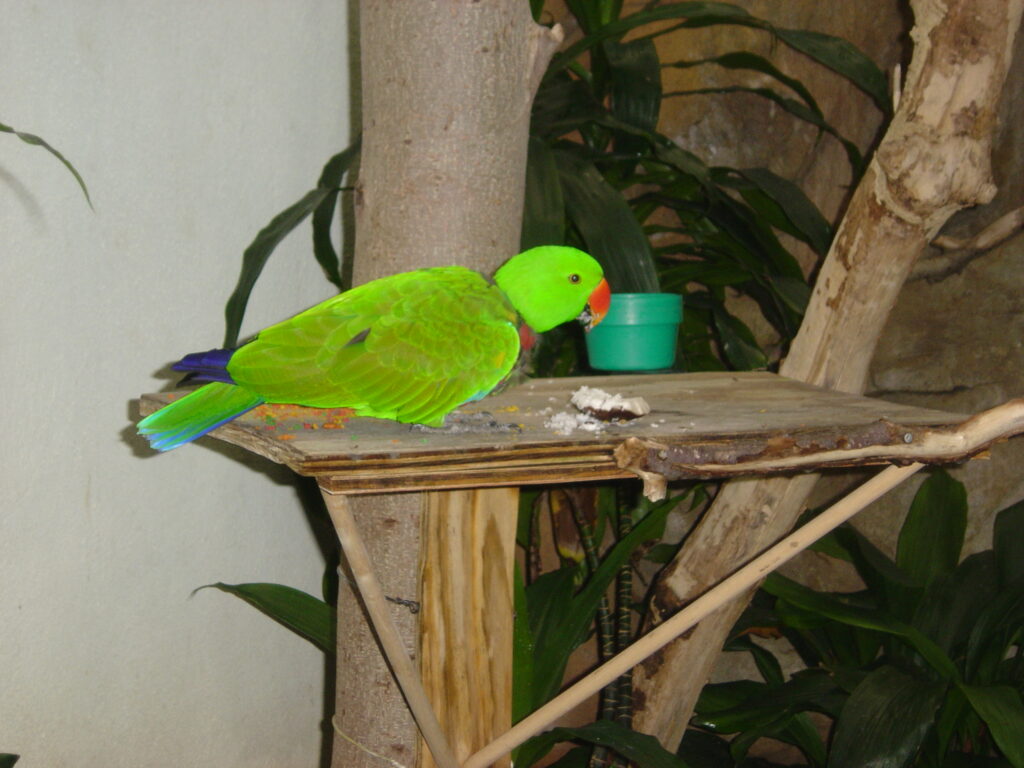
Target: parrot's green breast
x,y
410,347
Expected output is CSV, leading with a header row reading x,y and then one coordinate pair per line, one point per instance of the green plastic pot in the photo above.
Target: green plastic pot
x,y
638,333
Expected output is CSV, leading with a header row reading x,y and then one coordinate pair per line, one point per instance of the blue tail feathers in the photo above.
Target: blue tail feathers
x,y
207,366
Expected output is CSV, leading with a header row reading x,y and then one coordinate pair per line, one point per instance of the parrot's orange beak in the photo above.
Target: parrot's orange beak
x,y
597,305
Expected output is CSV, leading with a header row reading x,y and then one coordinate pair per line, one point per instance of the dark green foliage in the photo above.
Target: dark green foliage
x,y
640,749
599,172
921,668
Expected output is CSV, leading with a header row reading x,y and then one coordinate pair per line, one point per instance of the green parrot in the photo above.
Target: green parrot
x,y
411,347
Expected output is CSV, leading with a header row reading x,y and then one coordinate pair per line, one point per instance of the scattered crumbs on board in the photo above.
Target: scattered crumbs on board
x,y
563,423
287,418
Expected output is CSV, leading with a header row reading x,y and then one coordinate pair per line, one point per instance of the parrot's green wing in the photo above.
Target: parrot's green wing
x,y
410,347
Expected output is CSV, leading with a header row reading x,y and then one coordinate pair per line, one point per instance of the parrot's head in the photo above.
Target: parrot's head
x,y
553,284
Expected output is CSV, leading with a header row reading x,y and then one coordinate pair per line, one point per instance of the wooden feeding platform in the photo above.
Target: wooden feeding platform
x,y
701,425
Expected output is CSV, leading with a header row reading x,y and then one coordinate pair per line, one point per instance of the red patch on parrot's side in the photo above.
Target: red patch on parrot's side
x,y
527,338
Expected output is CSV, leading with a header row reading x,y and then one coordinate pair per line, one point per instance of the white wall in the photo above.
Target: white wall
x,y
193,122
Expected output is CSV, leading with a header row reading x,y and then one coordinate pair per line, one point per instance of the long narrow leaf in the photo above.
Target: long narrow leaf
x,y
857,616
607,225
745,60
558,636
933,533
257,254
1001,708
832,52
37,141
638,748
635,72
544,209
323,214
707,12
738,342
300,612
843,58
261,248
805,217
522,651
886,720
1007,534
793,107
1000,624
949,609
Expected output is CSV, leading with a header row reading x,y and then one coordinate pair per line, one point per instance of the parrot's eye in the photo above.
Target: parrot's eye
x,y
574,278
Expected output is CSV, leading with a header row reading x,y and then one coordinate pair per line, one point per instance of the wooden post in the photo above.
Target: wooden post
x,y
468,542
465,608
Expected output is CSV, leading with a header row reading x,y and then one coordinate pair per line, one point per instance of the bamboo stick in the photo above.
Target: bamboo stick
x,y
387,632
726,590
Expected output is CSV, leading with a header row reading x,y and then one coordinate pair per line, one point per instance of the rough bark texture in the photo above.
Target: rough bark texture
x,y
447,87
933,161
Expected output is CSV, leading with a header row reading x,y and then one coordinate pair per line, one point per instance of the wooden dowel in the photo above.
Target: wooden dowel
x,y
726,590
391,642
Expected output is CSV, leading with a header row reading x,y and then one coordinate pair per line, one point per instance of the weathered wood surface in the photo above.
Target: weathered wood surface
x,y
466,614
713,425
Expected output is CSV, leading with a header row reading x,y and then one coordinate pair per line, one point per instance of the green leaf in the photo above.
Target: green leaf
x,y
323,214
1001,708
562,105
843,58
1007,534
829,606
635,72
745,60
700,12
950,608
261,248
544,209
300,612
744,705
522,650
1000,625
8,760
885,721
793,107
738,342
705,750
808,223
834,53
638,748
933,532
558,624
36,141
608,227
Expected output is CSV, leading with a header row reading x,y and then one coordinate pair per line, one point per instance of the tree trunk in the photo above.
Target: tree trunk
x,y
447,88
933,161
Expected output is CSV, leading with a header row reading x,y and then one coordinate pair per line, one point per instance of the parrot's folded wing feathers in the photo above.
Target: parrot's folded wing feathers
x,y
411,349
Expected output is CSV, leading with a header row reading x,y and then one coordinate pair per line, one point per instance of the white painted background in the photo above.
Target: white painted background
x,y
193,122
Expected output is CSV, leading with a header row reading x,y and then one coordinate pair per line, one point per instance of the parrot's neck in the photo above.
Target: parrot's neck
x,y
520,289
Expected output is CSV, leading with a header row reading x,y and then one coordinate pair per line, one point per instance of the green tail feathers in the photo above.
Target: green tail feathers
x,y
196,414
